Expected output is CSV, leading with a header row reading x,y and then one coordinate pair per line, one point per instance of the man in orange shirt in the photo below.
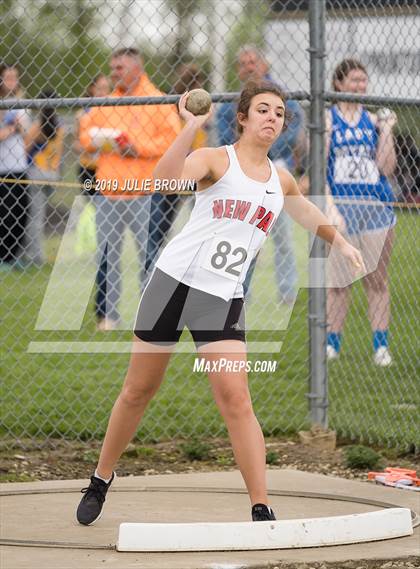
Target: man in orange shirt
x,y
130,141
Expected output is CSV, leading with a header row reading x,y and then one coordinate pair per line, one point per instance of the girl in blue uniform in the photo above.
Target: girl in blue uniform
x,y
361,157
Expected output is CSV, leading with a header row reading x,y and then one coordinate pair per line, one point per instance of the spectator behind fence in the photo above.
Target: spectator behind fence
x,y
13,193
130,141
99,87
361,155
164,207
44,146
286,152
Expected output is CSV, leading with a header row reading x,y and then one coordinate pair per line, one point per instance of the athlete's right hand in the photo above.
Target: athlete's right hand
x,y
386,119
354,256
198,120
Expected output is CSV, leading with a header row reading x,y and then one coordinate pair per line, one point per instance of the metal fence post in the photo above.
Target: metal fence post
x,y
318,393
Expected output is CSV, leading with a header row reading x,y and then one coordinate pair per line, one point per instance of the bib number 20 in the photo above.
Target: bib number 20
x,y
228,259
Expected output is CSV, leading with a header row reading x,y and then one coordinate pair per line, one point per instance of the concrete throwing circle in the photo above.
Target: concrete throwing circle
x,y
51,512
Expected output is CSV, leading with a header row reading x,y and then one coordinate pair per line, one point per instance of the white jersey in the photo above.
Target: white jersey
x,y
228,225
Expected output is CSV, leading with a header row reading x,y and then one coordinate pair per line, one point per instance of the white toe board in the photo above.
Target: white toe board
x,y
282,534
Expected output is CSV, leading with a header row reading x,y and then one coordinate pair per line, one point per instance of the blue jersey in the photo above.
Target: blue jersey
x,y
352,174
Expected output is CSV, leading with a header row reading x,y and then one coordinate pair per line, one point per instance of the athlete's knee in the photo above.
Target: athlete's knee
x,y
236,404
339,291
138,394
376,283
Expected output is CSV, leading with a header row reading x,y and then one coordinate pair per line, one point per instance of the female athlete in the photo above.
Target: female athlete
x,y
197,282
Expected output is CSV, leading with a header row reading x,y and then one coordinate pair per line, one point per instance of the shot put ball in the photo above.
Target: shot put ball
x,y
198,102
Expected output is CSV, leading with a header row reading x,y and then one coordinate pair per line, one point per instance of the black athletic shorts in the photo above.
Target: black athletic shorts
x,y
167,306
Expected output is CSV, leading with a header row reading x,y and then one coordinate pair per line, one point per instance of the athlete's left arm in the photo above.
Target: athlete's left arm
x,y
386,158
310,217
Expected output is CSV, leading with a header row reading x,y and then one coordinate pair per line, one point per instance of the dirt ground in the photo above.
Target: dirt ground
x,y
71,460
409,563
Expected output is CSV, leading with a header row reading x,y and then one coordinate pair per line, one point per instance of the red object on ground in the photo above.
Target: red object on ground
x,y
393,475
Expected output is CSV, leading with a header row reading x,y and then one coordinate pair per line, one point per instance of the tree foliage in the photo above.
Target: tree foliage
x,y
53,43
248,29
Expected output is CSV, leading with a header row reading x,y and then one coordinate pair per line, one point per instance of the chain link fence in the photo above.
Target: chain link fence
x,y
76,250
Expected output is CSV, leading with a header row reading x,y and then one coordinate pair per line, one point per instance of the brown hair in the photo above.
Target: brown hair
x,y
190,77
253,89
88,92
344,68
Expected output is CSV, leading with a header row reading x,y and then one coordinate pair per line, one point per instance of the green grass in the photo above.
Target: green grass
x,y
371,403
71,395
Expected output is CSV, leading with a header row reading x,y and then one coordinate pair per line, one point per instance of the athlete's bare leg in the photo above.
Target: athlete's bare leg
x,y
376,283
144,376
338,302
338,291
231,393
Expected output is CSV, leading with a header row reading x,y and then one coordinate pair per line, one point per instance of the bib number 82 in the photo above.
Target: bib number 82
x,y
220,258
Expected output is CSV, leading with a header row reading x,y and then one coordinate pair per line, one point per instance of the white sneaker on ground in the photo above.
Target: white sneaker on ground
x,y
382,357
332,354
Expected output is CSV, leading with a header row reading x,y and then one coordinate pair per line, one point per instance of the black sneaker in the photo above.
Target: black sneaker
x,y
262,513
90,507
